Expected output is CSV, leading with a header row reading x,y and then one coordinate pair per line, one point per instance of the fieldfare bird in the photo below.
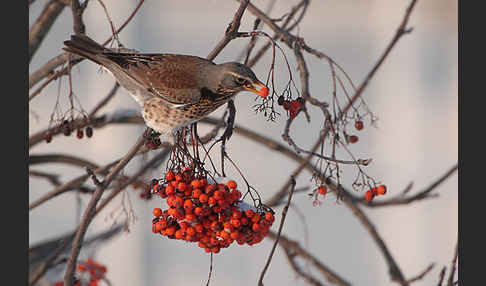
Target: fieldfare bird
x,y
173,90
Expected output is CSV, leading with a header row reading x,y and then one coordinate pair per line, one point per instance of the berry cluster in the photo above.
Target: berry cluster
x,y
293,106
66,128
88,273
373,192
209,214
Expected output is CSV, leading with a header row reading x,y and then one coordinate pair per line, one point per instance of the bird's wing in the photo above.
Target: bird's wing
x,y
172,77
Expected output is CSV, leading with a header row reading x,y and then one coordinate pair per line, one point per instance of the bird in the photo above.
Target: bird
x,y
173,90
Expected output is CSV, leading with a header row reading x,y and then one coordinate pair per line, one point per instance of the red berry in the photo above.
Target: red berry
x,y
169,190
322,190
269,216
359,125
381,190
263,92
232,184
236,214
157,212
249,213
353,139
188,205
80,134
169,176
369,195
203,198
182,186
196,193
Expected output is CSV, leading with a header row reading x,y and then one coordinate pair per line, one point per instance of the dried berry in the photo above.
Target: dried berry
x,y
48,137
89,131
80,134
353,139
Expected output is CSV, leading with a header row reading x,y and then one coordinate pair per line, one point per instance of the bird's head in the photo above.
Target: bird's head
x,y
234,77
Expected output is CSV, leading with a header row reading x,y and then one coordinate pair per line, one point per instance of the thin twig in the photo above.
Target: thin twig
x,y
73,184
210,269
284,214
422,274
401,200
231,31
291,258
441,276
450,281
53,179
158,158
298,250
61,158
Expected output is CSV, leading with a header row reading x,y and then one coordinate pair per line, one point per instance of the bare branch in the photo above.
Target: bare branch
x,y
291,258
61,158
73,184
400,200
90,210
52,178
231,31
298,250
394,270
43,24
78,25
284,214
450,281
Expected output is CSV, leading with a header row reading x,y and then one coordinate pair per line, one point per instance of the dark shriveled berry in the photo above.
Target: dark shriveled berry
x,y
66,130
48,137
89,131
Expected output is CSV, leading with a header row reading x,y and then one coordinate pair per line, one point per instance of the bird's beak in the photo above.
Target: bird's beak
x,y
251,87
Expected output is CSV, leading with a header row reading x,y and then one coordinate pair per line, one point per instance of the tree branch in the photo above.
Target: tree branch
x,y
90,211
43,24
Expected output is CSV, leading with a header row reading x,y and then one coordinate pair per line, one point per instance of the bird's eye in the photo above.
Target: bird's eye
x,y
241,81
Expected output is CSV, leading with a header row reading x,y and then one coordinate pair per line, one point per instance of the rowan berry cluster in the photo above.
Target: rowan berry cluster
x,y
88,273
376,191
293,106
209,214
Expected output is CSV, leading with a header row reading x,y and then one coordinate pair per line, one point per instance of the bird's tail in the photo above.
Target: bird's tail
x,y
84,46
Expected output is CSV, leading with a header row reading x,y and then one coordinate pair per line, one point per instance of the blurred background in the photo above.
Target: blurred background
x,y
414,94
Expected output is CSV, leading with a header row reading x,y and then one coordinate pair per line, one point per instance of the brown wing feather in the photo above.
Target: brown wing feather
x,y
172,77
